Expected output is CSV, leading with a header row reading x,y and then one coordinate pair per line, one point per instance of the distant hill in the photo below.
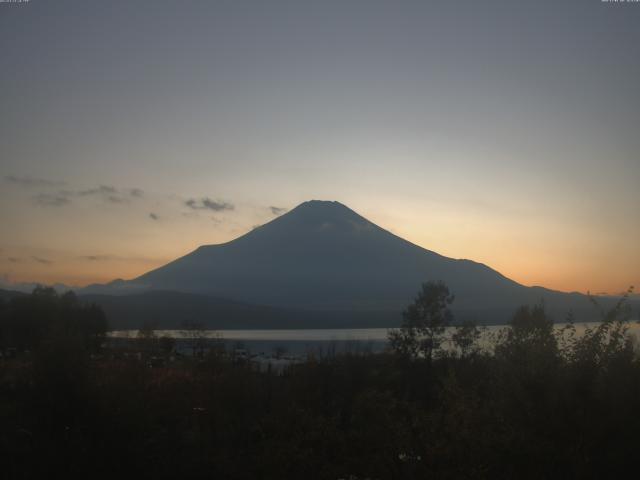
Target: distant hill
x,y
168,310
9,294
327,261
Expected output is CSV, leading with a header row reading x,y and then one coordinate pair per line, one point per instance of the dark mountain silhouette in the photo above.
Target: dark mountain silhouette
x,y
323,260
9,294
170,309
321,255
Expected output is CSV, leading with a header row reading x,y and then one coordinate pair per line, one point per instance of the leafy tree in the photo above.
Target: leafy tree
x,y
606,342
530,338
424,322
466,337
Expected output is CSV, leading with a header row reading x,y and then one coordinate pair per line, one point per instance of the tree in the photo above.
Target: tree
x,y
45,316
147,338
465,338
424,322
530,335
167,344
609,340
529,351
195,334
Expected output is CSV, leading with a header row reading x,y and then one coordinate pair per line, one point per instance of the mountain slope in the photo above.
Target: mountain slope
x,y
322,256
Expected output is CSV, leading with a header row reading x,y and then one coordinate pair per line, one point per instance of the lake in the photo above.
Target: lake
x,y
299,341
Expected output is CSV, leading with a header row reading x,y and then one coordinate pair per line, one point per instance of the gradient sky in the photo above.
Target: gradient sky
x,y
506,132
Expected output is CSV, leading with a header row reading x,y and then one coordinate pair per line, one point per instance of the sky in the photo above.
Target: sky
x,y
506,132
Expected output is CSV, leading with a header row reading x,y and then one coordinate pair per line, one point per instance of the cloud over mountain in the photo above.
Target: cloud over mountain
x,y
277,210
207,204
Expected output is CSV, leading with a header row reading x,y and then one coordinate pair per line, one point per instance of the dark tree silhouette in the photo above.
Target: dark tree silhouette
x,y
195,334
466,337
425,320
45,316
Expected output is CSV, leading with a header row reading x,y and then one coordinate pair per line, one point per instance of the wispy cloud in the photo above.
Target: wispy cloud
x,y
51,200
27,181
101,190
107,193
36,259
208,204
277,210
95,258
108,257
41,260
116,199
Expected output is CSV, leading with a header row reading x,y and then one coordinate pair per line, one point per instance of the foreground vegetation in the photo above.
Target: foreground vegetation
x,y
538,404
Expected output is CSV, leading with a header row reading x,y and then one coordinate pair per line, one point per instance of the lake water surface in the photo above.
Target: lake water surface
x,y
299,341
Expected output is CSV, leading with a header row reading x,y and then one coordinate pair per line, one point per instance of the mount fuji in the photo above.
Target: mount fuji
x,y
324,265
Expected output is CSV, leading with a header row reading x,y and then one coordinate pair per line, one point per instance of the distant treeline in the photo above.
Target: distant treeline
x,y
541,403
33,321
